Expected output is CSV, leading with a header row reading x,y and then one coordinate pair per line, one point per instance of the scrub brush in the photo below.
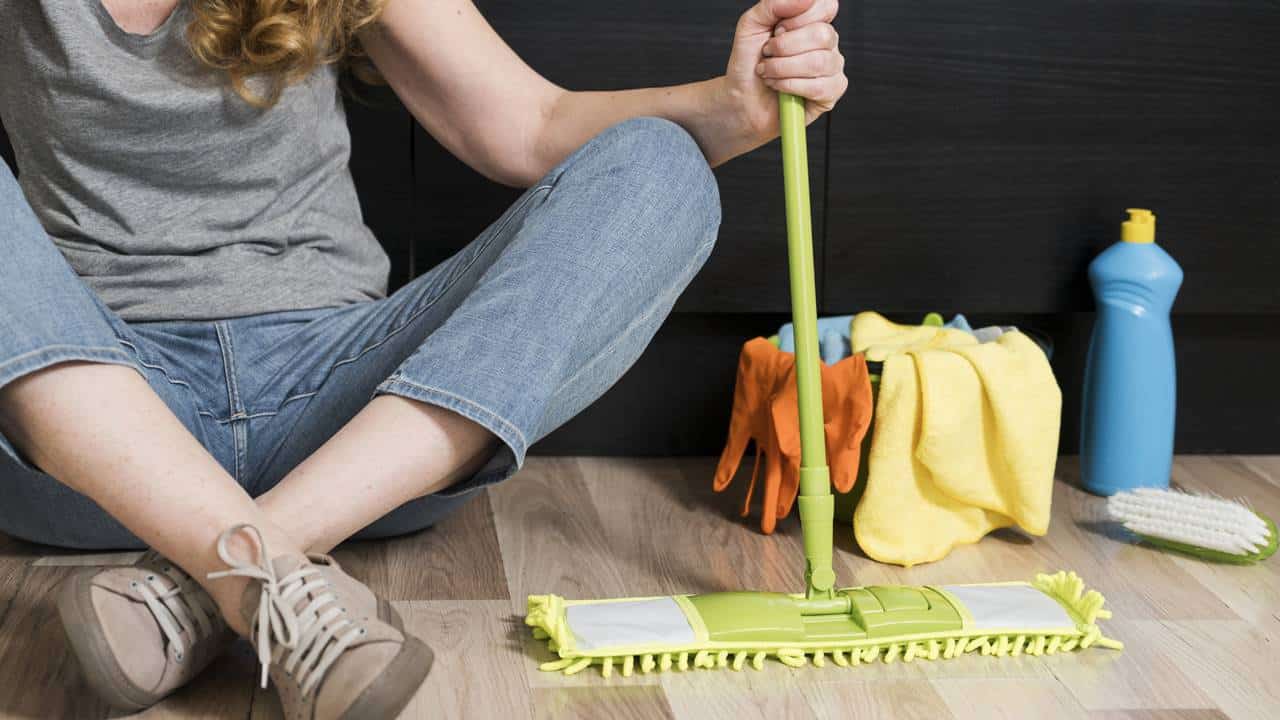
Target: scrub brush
x,y
1207,527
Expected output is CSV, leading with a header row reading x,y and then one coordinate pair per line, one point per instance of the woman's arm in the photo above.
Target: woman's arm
x,y
483,103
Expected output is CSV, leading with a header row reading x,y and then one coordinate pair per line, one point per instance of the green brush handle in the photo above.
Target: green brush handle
x,y
817,506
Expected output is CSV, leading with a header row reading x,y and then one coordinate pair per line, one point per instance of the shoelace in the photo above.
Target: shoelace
x,y
313,635
175,607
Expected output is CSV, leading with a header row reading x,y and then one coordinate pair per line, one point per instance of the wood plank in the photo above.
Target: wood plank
x,y
1141,676
39,675
1266,466
1252,592
892,700
15,556
775,692
552,540
479,670
1232,662
1011,699
674,534
1178,714
978,666
629,703
458,559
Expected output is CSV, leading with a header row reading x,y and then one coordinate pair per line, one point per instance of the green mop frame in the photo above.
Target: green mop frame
x,y
851,625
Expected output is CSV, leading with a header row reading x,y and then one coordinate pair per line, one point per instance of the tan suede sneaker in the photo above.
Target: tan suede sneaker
x,y
140,631
332,648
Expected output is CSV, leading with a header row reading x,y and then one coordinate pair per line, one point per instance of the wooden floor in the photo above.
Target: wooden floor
x,y
1201,639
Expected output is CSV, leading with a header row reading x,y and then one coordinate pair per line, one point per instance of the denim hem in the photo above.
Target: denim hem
x,y
490,474
490,420
47,356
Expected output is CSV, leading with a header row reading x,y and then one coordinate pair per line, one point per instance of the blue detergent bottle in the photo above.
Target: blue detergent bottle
x,y
1130,385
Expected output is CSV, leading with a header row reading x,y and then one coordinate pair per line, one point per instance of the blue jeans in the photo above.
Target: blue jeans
x,y
518,332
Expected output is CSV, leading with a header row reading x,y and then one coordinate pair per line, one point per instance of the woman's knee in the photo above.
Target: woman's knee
x,y
667,154
674,185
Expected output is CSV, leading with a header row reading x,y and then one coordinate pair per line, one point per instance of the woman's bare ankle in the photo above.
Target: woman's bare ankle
x,y
249,548
228,594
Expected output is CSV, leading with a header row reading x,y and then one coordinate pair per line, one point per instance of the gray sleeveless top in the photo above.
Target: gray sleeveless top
x,y
168,194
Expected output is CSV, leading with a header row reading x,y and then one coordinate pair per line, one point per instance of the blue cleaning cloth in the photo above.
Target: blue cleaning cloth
x,y
960,322
983,334
833,338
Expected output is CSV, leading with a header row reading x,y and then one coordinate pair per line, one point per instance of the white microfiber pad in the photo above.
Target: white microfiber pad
x,y
629,623
1011,607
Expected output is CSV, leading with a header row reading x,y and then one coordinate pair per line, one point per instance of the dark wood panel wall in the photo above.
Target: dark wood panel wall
x,y
382,165
985,153
988,150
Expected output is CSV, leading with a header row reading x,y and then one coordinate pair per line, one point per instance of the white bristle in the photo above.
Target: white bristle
x,y
1215,523
1191,536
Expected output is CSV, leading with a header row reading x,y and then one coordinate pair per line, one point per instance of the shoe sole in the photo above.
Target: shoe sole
x,y
391,692
89,643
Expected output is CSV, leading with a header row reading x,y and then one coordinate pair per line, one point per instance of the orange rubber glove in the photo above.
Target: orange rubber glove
x,y
764,411
761,366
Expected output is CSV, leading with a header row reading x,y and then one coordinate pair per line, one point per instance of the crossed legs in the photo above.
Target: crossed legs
x,y
145,469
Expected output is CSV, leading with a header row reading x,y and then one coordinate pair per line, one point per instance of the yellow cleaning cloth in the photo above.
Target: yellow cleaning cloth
x,y
877,338
965,441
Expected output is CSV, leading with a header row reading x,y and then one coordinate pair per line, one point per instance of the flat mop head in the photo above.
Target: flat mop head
x,y
858,625
851,625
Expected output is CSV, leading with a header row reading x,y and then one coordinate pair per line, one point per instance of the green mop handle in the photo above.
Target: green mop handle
x,y
817,506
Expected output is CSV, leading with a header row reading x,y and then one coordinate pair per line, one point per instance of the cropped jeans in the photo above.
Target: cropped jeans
x,y
518,332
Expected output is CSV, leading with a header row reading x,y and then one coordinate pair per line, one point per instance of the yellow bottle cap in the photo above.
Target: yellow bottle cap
x,y
1140,227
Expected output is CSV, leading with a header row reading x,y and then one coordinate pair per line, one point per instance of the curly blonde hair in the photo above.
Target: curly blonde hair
x,y
279,41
